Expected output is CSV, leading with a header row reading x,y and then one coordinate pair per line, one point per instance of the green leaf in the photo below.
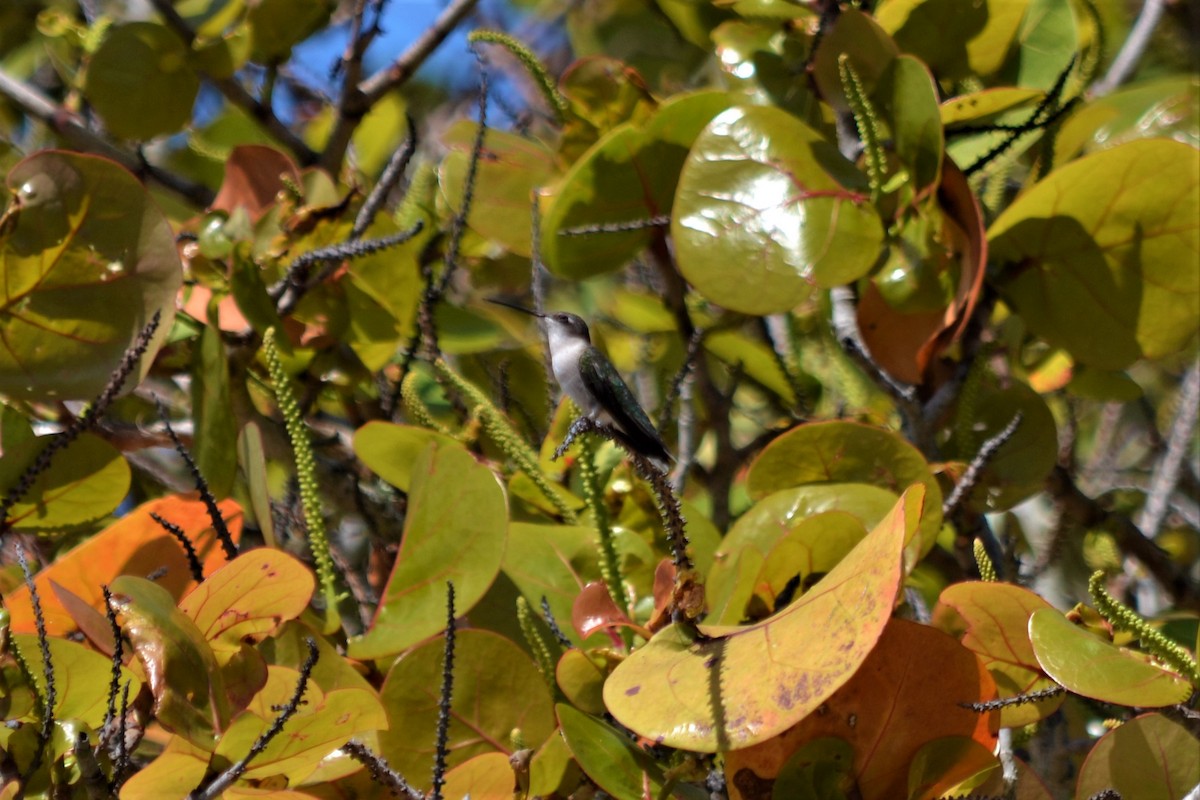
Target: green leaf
x,y
611,760
979,107
767,209
140,82
740,686
1109,281
909,98
214,443
180,667
1086,664
87,259
455,531
81,676
511,168
628,176
551,561
497,689
277,25
1168,107
1150,758
636,33
85,482
391,450
1046,42
957,40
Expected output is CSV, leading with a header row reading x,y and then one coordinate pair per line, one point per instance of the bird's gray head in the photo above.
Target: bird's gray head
x,y
566,325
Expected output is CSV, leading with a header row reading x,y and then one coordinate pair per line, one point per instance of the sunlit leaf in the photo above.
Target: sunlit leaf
x,y
1086,664
484,776
87,259
455,531
81,677
954,39
83,484
1150,757
767,209
390,450
742,686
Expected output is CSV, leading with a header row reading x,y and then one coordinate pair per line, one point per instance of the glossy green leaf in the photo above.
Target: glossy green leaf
x,y
1047,40
846,452
179,664
455,531
81,676
322,724
978,107
1168,107
390,450
1110,281
87,259
510,170
140,82
629,175
84,483
908,96
551,561
490,672
581,681
809,550
248,598
741,686
1086,664
767,209
277,25
637,34
1150,758
614,762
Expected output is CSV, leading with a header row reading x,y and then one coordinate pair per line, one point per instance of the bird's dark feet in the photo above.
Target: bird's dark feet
x,y
578,428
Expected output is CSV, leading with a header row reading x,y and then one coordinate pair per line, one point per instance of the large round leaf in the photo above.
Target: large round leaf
x,y
140,82
1102,254
455,531
741,686
497,689
82,485
1149,757
87,258
766,208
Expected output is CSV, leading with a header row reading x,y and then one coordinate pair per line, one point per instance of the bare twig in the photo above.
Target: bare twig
x,y
392,173
380,771
193,560
236,94
442,743
50,698
78,136
1133,48
661,221
1167,470
552,623
210,790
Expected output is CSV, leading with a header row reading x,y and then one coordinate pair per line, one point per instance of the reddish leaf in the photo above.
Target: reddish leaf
x,y
252,179
594,610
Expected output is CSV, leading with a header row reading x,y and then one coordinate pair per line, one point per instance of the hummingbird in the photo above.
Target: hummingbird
x,y
591,380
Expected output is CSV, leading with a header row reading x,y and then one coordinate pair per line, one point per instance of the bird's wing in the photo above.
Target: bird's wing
x,y
606,385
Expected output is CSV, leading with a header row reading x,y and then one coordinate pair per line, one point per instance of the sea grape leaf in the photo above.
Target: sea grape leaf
x,y
909,97
249,597
81,676
485,775
391,450
905,695
980,107
1086,664
1166,107
171,774
955,39
133,545
254,176
581,681
87,259
80,486
277,25
490,674
551,561
140,82
455,531
766,210
214,442
180,667
1150,757
1108,281
744,685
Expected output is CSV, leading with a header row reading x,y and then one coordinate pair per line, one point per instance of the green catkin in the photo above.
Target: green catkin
x,y
420,193
310,498
867,122
415,409
503,434
1121,616
593,493
987,571
558,104
543,656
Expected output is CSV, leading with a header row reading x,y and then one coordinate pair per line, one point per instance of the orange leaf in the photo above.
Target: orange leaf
x,y
594,610
133,545
906,694
252,179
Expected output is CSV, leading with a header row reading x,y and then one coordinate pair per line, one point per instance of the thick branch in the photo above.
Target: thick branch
x,y
1132,50
403,68
75,133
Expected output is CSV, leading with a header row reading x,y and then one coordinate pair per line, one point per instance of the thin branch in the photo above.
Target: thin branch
x,y
114,686
1016,700
392,173
552,623
78,136
236,94
441,745
206,495
1179,440
214,788
380,771
986,453
50,698
660,221
121,762
1131,51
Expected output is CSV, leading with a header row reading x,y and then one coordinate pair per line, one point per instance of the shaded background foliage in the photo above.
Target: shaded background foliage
x,y
912,288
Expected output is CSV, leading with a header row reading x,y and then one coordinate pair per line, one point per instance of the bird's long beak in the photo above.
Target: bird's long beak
x,y
514,306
